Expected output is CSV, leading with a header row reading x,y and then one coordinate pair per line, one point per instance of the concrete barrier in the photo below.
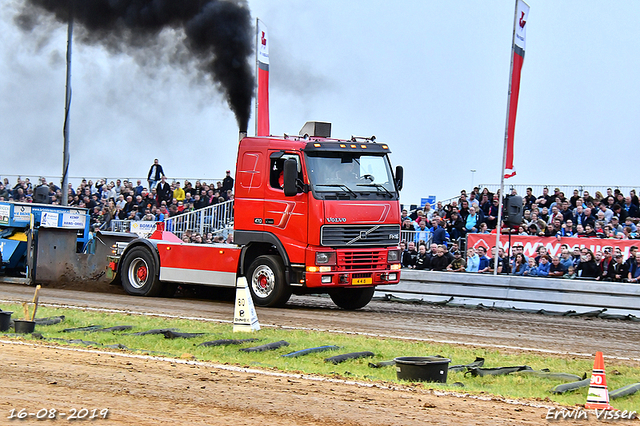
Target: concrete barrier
x,y
506,291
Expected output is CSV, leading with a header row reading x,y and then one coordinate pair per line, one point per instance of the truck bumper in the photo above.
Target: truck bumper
x,y
348,279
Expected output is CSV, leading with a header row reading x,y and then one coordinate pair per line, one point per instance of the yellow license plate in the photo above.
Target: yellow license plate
x,y
361,281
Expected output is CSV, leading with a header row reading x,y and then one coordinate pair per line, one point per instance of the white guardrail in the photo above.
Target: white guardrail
x,y
506,292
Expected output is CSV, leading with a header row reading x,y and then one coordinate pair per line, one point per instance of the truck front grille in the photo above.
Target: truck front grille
x,y
361,259
360,235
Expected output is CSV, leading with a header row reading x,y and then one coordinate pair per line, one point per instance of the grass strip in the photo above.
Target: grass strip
x,y
531,387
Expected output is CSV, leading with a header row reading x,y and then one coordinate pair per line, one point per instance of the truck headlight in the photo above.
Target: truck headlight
x,y
393,256
325,258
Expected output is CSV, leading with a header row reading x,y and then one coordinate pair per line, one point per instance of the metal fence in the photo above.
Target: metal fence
x,y
217,219
567,189
537,190
76,180
120,225
407,236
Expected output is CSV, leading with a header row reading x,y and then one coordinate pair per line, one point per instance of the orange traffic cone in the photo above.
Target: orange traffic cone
x,y
598,396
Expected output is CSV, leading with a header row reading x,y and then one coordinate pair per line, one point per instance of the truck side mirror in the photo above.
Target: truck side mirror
x,y
290,177
399,177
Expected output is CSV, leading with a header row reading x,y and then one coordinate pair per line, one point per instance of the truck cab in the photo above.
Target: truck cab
x,y
317,215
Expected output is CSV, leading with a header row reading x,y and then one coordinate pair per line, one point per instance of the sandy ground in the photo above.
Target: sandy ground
x,y
154,391
151,392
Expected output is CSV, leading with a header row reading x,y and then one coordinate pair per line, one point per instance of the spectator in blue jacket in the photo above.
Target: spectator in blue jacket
x,y
473,260
531,270
519,264
422,233
473,220
439,234
544,266
634,271
483,266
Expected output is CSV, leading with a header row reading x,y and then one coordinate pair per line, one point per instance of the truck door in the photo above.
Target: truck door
x,y
250,191
286,217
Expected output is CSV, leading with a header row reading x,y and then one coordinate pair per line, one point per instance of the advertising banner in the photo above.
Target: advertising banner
x,y
21,213
74,221
142,227
49,220
553,245
5,210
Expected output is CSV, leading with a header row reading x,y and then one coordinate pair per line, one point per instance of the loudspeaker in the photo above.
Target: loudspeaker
x,y
41,195
513,211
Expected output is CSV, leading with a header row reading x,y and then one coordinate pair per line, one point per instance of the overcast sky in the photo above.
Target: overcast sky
x,y
430,78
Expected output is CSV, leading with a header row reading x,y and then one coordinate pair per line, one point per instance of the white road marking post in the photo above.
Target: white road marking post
x,y
245,317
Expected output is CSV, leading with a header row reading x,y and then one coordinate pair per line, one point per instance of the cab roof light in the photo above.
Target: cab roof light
x,y
317,145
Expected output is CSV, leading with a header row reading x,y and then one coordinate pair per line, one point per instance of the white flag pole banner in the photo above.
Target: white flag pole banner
x,y
262,77
508,170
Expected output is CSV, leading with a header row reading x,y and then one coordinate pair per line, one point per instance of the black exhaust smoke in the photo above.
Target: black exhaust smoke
x,y
215,36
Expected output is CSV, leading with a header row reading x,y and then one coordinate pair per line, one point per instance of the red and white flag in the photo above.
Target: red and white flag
x,y
517,52
262,100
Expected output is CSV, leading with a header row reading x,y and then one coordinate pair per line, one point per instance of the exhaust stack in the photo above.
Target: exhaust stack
x,y
241,135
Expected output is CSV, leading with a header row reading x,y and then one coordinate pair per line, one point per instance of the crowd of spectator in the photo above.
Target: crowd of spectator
x,y
608,265
613,215
126,200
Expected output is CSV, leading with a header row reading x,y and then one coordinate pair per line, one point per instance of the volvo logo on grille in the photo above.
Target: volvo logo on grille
x,y
362,235
393,236
336,219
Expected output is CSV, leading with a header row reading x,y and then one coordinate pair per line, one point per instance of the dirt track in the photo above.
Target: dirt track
x,y
474,327
150,391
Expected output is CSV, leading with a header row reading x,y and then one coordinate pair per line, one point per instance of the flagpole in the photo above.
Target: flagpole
x,y
67,106
255,118
506,141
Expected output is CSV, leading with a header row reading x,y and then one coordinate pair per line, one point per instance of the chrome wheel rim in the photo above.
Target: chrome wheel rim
x,y
263,281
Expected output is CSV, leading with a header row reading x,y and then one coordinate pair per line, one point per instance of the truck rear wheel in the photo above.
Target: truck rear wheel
x,y
266,282
352,298
140,273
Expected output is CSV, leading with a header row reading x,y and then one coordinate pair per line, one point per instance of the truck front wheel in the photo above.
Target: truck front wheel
x,y
267,283
352,298
140,273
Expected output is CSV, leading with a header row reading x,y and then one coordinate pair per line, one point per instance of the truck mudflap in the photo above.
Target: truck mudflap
x,y
112,267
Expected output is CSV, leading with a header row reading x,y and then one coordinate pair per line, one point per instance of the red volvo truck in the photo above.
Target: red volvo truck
x,y
312,214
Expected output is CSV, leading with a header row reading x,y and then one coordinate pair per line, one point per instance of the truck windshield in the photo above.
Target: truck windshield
x,y
354,174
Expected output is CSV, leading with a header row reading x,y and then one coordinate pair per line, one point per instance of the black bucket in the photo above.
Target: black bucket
x,y
422,368
24,326
5,320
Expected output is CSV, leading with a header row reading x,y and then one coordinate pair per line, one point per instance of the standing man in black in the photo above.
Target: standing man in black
x,y
227,182
164,191
630,263
155,173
